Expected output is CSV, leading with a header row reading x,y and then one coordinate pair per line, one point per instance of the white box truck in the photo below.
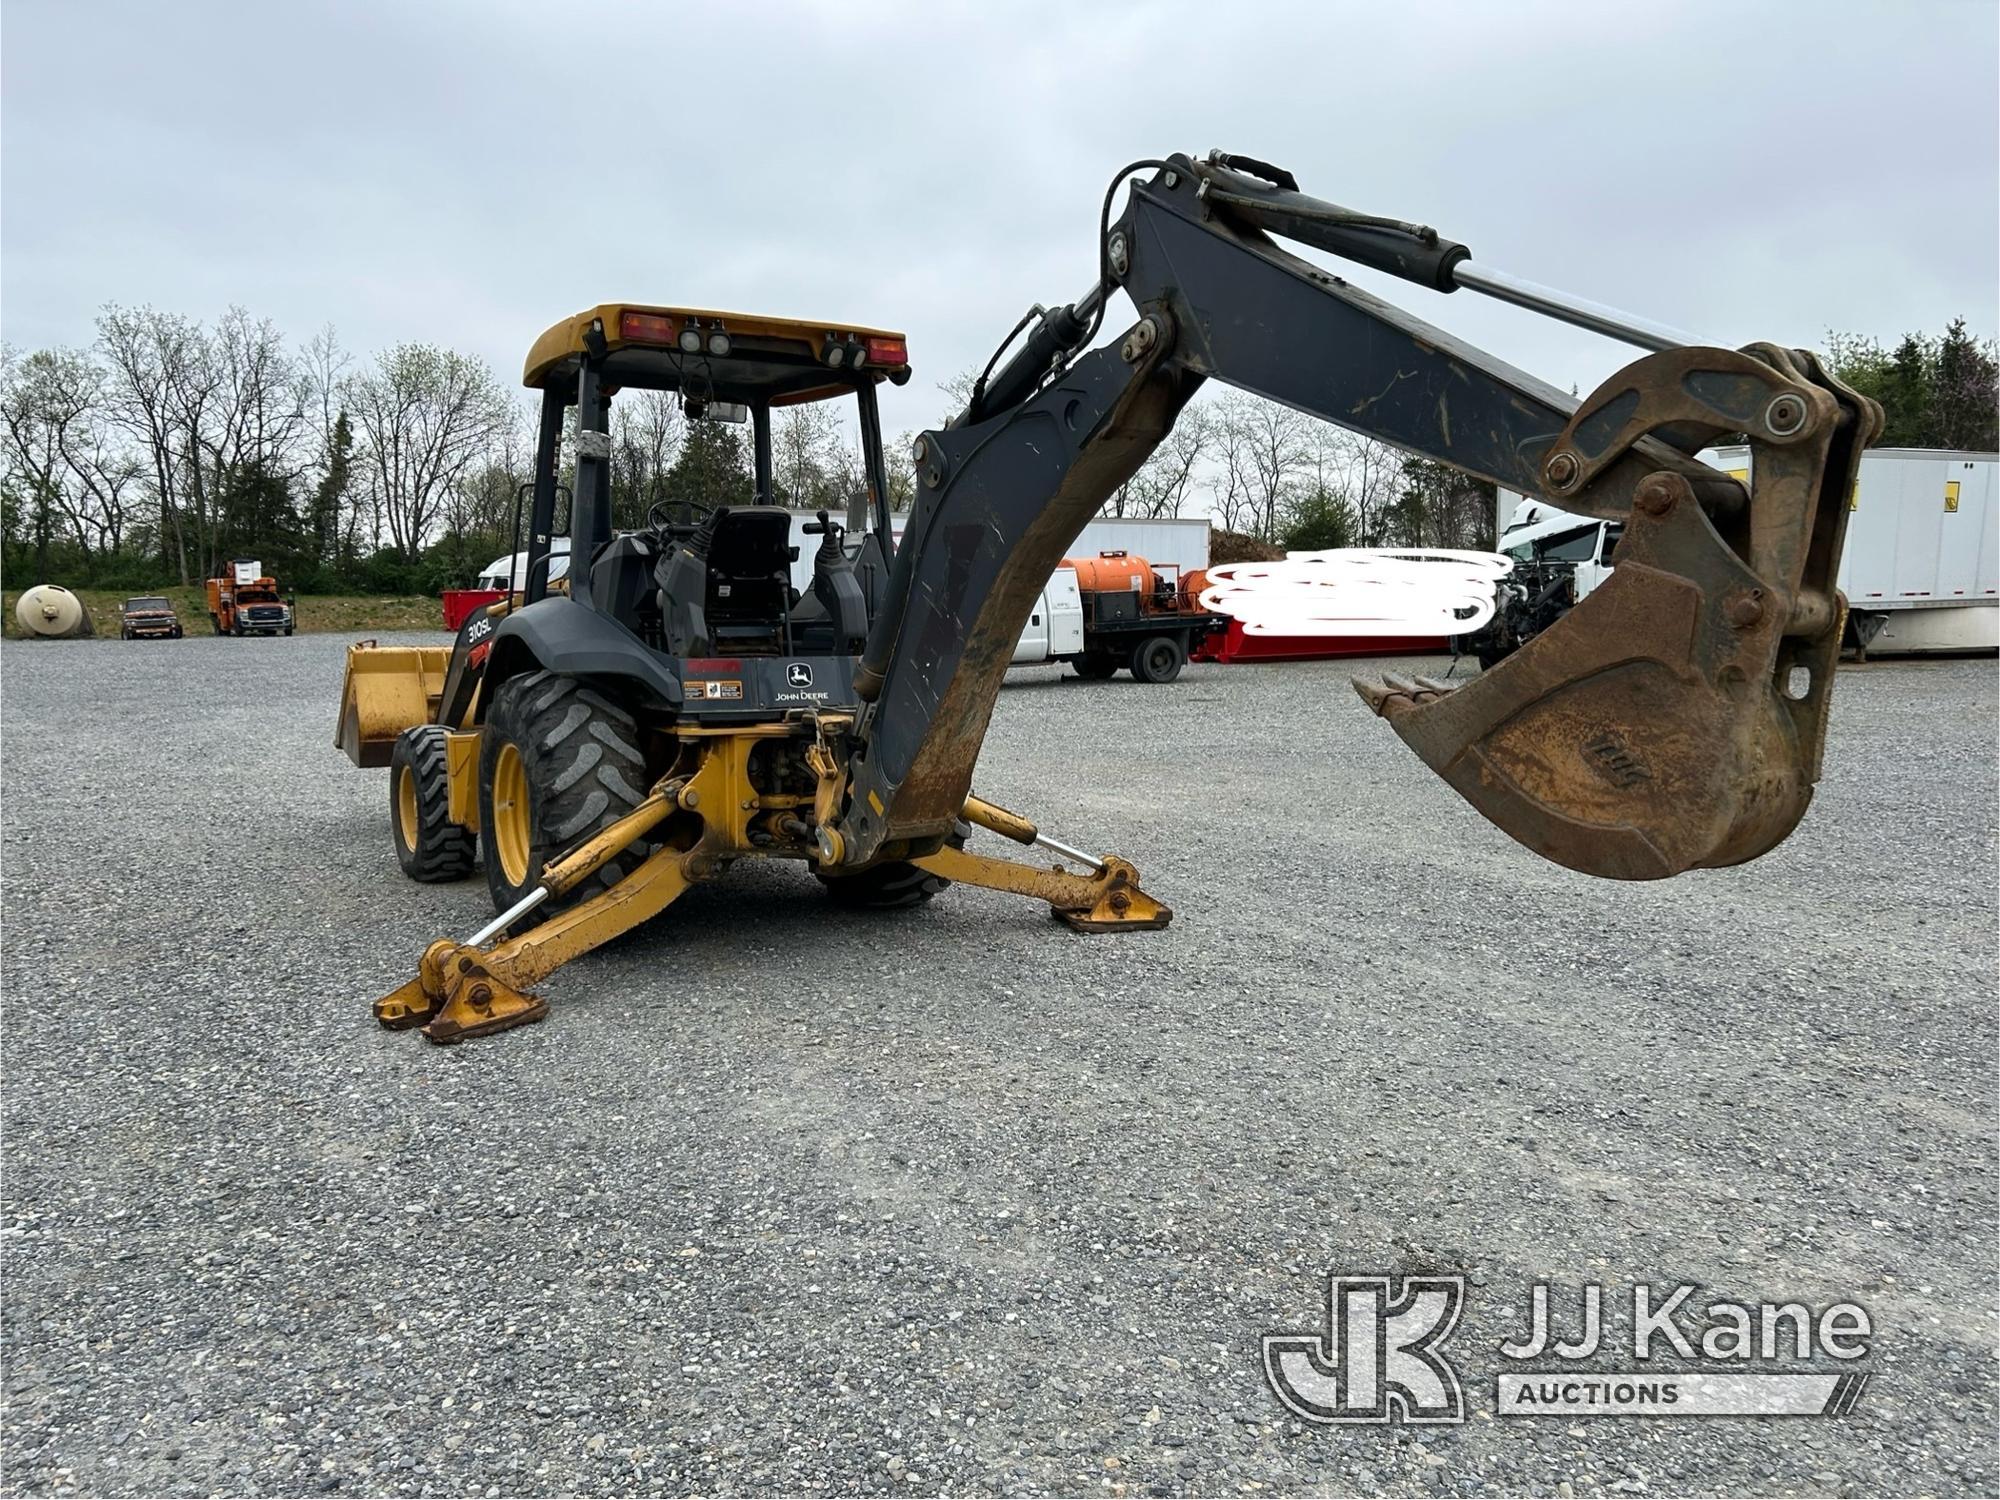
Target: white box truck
x,y
1920,568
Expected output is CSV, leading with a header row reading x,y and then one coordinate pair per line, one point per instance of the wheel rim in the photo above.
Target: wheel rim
x,y
511,832
1160,658
406,807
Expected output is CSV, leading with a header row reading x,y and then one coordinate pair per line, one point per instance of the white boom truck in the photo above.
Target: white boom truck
x,y
1921,568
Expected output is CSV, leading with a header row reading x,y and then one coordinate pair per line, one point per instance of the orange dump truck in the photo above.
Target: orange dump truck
x,y
244,600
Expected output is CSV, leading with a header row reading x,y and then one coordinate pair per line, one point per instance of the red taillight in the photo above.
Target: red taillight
x,y
714,664
888,352
645,328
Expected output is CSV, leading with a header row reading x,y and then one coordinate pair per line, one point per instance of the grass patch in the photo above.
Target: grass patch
x,y
340,614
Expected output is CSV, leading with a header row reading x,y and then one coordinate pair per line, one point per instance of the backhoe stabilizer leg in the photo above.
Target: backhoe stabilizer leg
x,y
413,1004
462,992
479,1003
457,995
1109,900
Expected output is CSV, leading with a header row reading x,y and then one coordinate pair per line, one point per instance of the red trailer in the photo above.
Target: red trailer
x,y
459,603
1234,644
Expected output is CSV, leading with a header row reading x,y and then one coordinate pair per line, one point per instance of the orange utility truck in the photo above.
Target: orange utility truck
x,y
243,600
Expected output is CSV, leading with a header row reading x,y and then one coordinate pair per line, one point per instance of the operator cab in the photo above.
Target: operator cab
x,y
706,580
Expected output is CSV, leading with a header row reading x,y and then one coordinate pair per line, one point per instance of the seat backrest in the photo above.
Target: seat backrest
x,y
750,565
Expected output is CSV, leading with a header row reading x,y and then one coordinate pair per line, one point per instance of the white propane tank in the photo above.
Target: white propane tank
x,y
49,609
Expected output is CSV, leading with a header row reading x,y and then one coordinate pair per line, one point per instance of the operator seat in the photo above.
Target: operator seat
x,y
750,578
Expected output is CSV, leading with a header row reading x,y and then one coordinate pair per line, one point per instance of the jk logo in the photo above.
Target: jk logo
x,y
1378,1360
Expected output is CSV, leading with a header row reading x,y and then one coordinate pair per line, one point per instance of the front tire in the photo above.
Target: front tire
x,y
429,846
1096,666
558,762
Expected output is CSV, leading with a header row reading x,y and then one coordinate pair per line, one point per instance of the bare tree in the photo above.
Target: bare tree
x,y
323,367
1162,484
1232,487
1262,447
646,434
426,415
900,468
247,437
483,500
806,455
958,392
1373,474
149,354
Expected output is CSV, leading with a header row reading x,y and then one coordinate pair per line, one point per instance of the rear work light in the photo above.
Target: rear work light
x,y
691,339
645,328
888,352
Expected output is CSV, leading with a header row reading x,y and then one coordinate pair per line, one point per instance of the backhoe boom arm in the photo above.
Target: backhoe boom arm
x,y
1005,490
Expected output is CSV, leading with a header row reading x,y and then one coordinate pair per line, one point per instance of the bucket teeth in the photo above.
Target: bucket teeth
x,y
1392,693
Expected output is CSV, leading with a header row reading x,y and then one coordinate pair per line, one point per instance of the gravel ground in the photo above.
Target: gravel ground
x,y
957,1199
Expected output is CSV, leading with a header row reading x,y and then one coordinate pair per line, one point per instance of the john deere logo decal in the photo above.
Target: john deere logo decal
x,y
799,674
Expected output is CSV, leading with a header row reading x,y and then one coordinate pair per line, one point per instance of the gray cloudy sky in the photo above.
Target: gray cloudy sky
x,y
468,173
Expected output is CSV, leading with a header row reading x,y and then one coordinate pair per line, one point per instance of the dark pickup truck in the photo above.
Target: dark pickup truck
x,y
148,618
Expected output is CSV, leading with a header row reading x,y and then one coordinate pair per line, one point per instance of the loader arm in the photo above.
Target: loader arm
x,y
1661,727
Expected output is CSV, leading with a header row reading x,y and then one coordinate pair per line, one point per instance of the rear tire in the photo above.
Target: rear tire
x,y
558,762
215,621
1158,659
429,846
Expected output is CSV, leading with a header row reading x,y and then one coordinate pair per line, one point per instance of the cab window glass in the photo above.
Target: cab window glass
x,y
1569,546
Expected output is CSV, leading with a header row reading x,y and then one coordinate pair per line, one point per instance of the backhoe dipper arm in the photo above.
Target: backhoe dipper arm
x,y
1007,487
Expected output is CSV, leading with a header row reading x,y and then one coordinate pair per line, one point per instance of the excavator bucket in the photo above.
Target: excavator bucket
x,y
1674,719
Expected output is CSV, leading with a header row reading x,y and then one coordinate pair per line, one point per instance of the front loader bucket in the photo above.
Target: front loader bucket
x,y
387,689
1674,719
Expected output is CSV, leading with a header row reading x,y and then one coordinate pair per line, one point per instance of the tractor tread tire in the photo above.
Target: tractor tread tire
x,y
585,768
444,851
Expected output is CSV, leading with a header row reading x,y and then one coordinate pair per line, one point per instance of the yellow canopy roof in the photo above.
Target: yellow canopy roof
x,y
770,358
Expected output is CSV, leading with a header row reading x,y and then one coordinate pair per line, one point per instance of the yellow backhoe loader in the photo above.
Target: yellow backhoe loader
x,y
678,705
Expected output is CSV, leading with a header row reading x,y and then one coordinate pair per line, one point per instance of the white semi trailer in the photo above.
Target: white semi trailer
x,y
1921,568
